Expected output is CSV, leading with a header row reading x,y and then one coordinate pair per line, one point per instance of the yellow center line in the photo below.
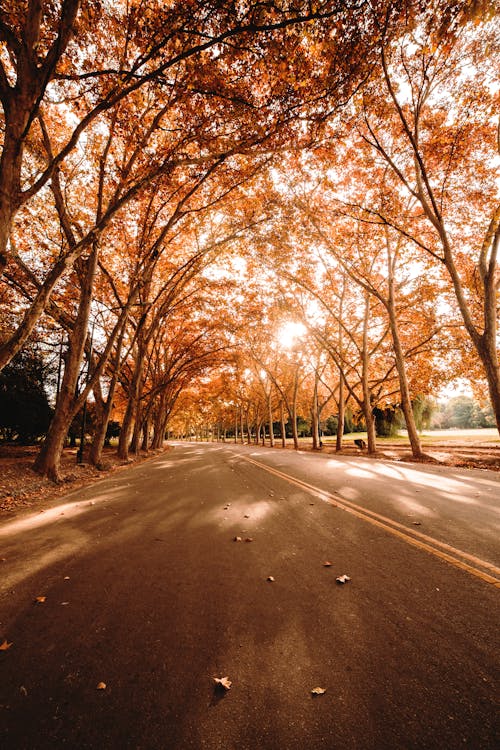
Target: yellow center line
x,y
439,549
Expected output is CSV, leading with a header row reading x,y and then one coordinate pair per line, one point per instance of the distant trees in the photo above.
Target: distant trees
x,y
25,412
462,412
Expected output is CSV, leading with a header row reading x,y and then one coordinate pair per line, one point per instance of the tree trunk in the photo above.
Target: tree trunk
x,y
242,435
145,435
367,405
489,358
270,409
341,413
283,426
130,416
135,442
95,455
48,461
293,415
416,447
315,415
159,423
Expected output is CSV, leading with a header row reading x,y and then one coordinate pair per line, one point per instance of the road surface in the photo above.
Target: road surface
x,y
144,590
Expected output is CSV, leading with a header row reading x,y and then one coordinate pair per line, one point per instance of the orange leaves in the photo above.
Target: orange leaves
x,y
5,645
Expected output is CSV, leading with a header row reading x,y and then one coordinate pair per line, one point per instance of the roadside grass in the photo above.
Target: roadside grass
x,y
460,437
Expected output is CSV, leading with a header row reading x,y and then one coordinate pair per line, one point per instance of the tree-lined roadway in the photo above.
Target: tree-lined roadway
x,y
143,589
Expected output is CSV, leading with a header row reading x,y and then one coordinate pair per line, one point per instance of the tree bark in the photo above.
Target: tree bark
x,y
48,460
404,387
293,415
315,415
367,406
283,426
270,409
341,413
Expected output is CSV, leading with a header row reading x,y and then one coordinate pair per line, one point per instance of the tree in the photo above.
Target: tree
x,y
176,63
430,115
25,412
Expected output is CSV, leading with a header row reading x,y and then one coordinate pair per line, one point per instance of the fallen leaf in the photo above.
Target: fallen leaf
x,y
327,564
318,691
40,599
4,646
222,682
342,579
63,604
237,539
23,691
417,523
249,539
101,686
246,516
270,578
66,578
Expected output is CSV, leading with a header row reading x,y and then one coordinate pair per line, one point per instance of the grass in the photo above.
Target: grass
x,y
473,436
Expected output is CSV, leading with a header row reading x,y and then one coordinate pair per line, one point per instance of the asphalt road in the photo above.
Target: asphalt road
x,y
146,591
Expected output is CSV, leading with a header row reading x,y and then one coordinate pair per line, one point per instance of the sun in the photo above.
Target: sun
x,y
289,333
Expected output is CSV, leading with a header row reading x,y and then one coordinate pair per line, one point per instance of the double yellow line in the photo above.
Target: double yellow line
x,y
463,560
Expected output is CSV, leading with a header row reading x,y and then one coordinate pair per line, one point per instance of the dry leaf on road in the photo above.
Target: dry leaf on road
x,y
237,539
270,578
4,646
318,691
342,579
327,564
40,599
222,682
101,686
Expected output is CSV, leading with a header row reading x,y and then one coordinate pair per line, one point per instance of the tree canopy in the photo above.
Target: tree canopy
x,y
183,183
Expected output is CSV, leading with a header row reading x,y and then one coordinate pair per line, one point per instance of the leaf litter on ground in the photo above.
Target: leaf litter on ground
x,y
222,683
342,579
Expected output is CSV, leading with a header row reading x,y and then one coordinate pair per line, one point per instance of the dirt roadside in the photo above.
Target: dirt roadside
x,y
21,488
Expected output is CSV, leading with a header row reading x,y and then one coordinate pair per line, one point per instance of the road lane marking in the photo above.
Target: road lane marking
x,y
437,548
